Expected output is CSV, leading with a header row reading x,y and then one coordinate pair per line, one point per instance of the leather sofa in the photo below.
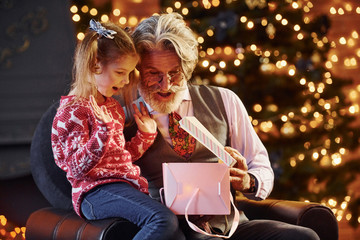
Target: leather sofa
x,y
61,222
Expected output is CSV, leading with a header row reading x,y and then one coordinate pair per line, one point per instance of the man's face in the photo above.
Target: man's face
x,y
162,81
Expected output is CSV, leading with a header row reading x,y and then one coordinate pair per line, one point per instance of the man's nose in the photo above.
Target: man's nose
x,y
165,83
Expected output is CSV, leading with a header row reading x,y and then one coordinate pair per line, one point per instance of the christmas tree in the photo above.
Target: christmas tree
x,y
274,57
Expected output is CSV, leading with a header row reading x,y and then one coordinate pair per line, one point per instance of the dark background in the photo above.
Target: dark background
x,y
37,42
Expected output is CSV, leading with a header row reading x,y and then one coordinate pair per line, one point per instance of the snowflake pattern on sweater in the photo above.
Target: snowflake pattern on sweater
x,y
92,152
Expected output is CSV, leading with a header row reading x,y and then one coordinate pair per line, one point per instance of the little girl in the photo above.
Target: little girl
x,y
88,141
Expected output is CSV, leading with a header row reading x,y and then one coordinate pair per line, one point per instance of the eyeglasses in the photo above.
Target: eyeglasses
x,y
154,77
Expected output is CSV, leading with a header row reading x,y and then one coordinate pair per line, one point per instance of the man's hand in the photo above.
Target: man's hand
x,y
239,177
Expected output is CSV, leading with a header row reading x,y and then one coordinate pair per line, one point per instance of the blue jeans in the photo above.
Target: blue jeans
x,y
155,220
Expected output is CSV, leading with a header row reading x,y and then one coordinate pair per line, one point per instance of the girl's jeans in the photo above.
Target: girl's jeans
x,y
120,199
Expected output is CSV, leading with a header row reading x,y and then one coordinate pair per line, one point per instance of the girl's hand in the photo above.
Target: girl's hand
x,y
143,120
100,113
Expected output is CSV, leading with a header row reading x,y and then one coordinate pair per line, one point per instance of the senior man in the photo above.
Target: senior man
x,y
168,53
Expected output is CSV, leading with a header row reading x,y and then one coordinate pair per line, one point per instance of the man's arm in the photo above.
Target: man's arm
x,y
245,140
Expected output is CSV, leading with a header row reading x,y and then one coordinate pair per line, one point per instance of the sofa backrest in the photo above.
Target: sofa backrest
x,y
49,178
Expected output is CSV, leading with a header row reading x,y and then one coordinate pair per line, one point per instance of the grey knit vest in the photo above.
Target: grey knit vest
x,y
209,110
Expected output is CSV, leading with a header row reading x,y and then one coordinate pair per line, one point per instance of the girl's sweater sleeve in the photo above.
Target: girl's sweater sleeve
x,y
76,145
138,145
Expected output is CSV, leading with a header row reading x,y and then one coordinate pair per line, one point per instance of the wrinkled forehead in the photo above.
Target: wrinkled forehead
x,y
159,59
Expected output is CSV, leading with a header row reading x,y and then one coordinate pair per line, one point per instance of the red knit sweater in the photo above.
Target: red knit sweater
x,y
92,152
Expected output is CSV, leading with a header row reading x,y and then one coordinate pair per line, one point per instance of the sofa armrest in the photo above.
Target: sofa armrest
x,y
55,223
312,215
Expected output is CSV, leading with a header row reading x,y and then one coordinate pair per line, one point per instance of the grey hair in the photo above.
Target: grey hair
x,y
168,32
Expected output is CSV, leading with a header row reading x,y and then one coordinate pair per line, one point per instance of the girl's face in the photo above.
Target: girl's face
x,y
114,76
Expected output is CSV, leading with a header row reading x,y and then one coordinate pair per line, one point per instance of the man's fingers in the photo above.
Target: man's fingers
x,y
241,161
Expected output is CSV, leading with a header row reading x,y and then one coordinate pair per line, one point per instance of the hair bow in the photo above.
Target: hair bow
x,y
97,27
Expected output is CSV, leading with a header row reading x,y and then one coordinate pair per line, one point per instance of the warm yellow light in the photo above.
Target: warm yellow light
x,y
133,21
84,9
243,19
315,156
336,159
257,107
241,56
306,20
212,68
237,62
284,22
210,51
80,36
73,9
200,40
328,64
250,24
295,5
264,22
122,20
352,109
116,12
177,4
278,17
292,72
323,151
348,7
266,126
302,81
215,3
222,64
253,47
342,151
205,63
169,10
104,18
342,40
332,202
332,10
210,32
185,11
334,58
301,156
76,18
358,10
300,36
228,50
292,162
341,11
302,128
304,110
297,27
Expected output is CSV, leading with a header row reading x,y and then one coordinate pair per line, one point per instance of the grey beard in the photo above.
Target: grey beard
x,y
148,95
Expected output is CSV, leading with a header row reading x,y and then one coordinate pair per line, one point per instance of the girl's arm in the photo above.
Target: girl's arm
x,y
77,148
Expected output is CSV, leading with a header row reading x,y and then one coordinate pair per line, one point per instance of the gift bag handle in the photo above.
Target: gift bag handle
x,y
197,229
